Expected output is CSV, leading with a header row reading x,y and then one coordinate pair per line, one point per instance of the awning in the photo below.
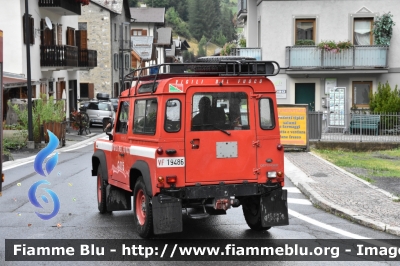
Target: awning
x,y
12,82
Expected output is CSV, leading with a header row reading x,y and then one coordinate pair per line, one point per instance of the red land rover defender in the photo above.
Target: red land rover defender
x,y
203,135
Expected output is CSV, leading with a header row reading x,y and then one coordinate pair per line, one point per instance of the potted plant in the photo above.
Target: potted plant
x,y
335,47
383,29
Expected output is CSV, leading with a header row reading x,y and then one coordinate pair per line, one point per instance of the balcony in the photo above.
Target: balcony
x,y
247,52
87,58
363,56
62,7
58,57
242,9
66,57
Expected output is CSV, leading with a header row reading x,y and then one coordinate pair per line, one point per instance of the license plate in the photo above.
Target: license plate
x,y
170,162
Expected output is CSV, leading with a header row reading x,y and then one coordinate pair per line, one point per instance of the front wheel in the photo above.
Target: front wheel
x,y
143,210
252,213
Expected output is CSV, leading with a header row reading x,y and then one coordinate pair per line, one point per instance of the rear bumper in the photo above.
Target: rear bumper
x,y
220,191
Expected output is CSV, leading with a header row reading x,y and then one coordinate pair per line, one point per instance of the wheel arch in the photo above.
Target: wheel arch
x,y
99,158
141,168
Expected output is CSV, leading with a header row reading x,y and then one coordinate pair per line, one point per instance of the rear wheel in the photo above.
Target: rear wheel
x,y
101,191
252,213
143,210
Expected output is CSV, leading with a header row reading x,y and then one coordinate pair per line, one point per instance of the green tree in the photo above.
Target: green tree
x,y
156,3
383,29
196,21
179,26
385,99
202,50
133,3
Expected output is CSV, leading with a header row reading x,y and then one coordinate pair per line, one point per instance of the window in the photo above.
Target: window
x,y
138,32
127,61
31,28
305,29
220,111
363,31
70,36
172,122
123,118
361,92
145,117
116,61
115,31
267,120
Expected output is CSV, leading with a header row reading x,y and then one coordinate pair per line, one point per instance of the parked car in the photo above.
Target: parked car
x,y
98,110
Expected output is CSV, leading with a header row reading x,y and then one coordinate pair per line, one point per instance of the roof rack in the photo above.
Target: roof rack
x,y
206,66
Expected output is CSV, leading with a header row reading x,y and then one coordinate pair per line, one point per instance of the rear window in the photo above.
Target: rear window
x,y
220,110
104,106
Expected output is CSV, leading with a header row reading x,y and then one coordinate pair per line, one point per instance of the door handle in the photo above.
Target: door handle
x,y
195,143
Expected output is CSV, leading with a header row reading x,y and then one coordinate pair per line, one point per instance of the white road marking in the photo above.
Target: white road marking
x,y
299,201
325,226
292,189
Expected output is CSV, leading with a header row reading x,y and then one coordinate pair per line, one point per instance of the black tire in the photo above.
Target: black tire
x,y
252,213
101,191
142,209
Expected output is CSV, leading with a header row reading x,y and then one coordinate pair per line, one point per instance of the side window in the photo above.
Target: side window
x,y
93,106
145,116
123,118
266,110
172,122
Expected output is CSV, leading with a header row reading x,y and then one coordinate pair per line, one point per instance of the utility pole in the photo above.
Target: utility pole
x,y
28,74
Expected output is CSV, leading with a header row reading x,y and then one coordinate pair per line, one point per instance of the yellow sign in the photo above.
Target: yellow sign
x,y
293,125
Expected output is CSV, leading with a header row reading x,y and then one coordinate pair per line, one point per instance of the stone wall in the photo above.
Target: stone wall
x,y
99,39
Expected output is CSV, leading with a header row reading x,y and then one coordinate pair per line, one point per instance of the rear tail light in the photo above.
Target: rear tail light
x,y
279,147
171,179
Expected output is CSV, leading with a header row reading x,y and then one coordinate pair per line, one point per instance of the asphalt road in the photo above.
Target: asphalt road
x,y
79,218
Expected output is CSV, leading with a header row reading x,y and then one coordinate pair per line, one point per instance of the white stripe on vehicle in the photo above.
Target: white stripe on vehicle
x,y
143,151
102,145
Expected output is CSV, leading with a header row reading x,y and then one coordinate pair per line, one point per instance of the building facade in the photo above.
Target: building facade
x,y
308,73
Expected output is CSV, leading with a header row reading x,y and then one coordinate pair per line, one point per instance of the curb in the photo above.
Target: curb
x,y
317,200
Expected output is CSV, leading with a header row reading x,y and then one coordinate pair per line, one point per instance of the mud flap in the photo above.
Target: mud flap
x,y
274,210
117,199
167,214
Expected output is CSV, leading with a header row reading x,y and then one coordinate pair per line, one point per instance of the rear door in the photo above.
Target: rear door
x,y
219,135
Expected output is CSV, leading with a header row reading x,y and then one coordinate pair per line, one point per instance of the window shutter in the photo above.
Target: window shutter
x,y
54,35
70,34
144,32
32,27
91,90
59,34
81,39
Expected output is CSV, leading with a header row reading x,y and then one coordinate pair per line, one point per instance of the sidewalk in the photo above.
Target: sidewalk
x,y
341,193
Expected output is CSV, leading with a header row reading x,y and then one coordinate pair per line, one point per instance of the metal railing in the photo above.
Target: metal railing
x,y
360,127
87,58
249,52
58,56
365,56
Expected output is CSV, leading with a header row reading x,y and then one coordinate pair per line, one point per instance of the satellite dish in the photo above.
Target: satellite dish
x,y
49,25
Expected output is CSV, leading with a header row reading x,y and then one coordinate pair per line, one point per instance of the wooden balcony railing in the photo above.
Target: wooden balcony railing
x,y
63,7
62,56
360,56
87,58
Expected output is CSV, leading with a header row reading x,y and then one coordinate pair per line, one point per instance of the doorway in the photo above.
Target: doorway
x,y
305,94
